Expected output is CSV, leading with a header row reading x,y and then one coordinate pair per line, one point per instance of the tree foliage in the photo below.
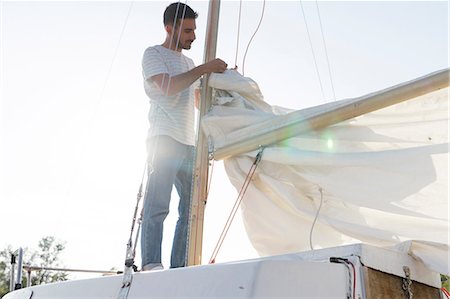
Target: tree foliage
x,y
445,282
4,270
47,255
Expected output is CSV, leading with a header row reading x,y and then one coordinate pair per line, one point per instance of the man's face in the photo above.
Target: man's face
x,y
185,32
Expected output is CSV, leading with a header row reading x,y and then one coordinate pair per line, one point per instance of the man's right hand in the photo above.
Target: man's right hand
x,y
184,80
215,66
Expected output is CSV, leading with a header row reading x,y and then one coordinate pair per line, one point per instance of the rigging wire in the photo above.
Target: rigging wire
x,y
251,39
84,135
315,219
237,203
326,51
211,170
238,34
174,23
312,51
116,50
131,254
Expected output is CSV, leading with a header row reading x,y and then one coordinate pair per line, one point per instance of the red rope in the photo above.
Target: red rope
x,y
446,293
235,207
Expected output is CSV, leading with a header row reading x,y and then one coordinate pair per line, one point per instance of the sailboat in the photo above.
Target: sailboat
x,y
351,271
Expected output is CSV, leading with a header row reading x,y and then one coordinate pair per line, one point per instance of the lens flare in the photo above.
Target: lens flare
x,y
330,143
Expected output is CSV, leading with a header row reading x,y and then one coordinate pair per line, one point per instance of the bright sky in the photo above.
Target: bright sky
x,y
73,113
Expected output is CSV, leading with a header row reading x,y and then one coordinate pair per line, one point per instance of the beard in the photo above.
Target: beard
x,y
185,45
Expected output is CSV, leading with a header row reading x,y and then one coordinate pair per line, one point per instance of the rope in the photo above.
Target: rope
x,y
349,292
354,279
351,275
238,34
315,219
251,39
312,52
236,206
326,51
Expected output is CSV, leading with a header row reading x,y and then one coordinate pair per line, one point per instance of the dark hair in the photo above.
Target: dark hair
x,y
178,10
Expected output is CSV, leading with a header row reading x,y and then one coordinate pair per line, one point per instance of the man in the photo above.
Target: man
x,y
170,81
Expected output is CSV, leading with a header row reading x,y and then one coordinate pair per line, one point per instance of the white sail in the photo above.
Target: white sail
x,y
382,177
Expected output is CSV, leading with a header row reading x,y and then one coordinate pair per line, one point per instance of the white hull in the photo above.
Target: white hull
x,y
302,275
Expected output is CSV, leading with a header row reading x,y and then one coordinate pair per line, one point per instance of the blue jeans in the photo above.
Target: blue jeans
x,y
172,165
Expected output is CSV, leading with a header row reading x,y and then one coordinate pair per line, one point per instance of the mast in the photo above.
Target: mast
x,y
200,180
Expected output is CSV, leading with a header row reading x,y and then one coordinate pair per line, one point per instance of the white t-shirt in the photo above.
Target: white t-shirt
x,y
173,116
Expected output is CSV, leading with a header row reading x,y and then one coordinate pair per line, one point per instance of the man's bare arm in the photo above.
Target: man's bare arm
x,y
173,85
